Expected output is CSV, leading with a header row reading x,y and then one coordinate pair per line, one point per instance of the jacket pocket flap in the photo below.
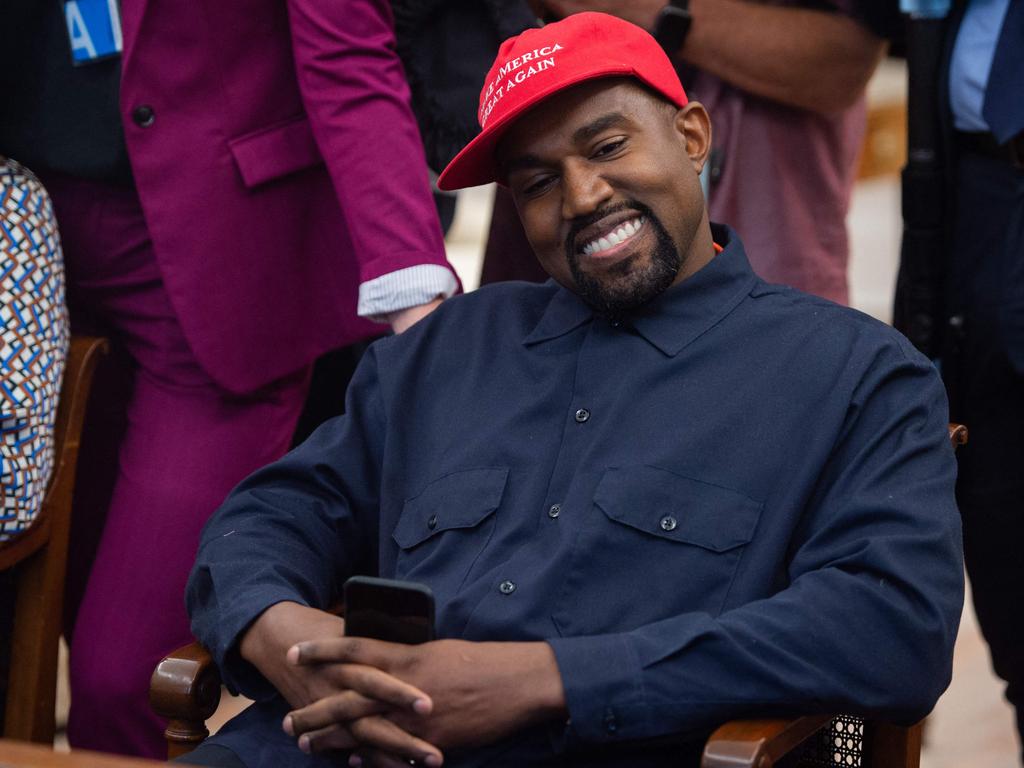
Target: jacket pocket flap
x,y
458,500
275,151
677,508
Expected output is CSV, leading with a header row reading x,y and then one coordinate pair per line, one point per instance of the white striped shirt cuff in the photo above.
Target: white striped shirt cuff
x,y
404,288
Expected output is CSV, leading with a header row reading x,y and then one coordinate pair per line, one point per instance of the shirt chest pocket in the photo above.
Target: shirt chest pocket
x,y
656,544
443,529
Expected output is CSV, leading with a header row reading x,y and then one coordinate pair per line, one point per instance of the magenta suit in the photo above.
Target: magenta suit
x,y
277,167
260,261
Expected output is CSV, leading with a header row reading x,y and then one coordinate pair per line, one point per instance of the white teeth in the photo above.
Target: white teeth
x,y
616,237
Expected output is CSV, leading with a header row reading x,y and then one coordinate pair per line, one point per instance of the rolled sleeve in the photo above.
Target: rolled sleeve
x,y
405,288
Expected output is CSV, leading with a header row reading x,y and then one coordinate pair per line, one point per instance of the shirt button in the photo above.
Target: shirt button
x,y
432,522
554,510
582,415
611,725
507,587
668,523
143,116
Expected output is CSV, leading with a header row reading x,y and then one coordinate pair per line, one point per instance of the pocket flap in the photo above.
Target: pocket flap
x,y
275,151
457,500
677,508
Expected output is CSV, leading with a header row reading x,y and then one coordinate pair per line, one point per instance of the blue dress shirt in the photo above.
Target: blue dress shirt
x,y
739,499
972,61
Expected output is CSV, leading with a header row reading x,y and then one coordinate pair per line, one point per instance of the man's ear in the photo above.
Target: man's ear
x,y
694,126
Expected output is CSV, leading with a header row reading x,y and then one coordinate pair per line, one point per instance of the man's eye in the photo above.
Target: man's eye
x,y
609,148
538,185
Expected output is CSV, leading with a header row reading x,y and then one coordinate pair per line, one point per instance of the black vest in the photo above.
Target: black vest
x,y
55,116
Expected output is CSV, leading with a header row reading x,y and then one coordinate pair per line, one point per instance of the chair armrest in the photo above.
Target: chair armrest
x,y
758,743
957,435
185,688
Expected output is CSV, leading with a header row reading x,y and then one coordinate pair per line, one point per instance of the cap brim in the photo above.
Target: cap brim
x,y
474,165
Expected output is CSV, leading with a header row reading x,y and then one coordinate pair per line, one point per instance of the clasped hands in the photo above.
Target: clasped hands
x,y
389,704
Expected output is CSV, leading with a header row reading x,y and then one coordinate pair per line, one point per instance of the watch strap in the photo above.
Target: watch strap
x,y
672,26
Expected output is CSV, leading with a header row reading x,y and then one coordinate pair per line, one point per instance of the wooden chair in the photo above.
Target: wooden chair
x,y
185,688
40,554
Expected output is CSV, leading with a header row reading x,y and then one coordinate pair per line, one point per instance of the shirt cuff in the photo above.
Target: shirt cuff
x,y
603,687
404,288
223,635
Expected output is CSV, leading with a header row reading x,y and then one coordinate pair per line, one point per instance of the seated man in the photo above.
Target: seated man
x,y
650,495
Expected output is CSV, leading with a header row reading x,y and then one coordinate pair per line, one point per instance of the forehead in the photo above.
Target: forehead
x,y
564,118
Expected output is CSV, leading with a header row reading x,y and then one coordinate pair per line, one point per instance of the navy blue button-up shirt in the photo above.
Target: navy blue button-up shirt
x,y
738,499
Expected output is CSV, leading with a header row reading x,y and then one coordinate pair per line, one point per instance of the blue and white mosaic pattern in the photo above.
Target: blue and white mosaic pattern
x,y
33,345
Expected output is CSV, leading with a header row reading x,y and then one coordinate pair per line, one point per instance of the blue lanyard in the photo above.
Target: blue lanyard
x,y
94,30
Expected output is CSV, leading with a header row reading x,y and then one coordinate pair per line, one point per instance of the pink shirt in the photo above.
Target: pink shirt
x,y
784,184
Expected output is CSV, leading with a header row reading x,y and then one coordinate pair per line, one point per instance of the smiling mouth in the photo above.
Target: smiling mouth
x,y
621,234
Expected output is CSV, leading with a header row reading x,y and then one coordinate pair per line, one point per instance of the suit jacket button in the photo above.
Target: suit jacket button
x,y
143,116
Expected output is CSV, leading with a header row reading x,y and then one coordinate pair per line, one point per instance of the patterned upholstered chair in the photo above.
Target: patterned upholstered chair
x,y
185,688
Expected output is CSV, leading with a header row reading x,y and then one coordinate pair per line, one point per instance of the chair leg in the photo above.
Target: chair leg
x,y
32,686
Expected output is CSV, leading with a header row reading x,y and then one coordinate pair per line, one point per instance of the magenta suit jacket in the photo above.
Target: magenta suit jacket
x,y
281,168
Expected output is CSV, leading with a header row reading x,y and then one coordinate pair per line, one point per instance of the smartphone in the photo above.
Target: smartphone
x,y
385,609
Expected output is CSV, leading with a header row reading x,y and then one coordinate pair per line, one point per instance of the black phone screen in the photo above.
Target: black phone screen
x,y
385,609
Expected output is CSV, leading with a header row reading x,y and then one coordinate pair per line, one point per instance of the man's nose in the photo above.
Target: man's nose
x,y
584,191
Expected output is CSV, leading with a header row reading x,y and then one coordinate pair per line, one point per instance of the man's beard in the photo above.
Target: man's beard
x,y
627,285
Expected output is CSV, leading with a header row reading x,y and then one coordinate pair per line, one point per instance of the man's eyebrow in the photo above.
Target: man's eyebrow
x,y
521,162
581,134
602,123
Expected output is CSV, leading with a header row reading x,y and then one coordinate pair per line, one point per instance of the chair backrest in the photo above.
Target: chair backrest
x,y
41,556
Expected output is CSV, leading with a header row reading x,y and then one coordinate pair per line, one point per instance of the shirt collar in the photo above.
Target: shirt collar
x,y
676,317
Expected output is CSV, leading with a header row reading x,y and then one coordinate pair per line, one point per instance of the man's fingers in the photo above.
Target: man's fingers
x,y
374,683
375,732
353,650
331,710
326,739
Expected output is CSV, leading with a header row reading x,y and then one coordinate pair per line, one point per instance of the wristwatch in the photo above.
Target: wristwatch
x,y
672,25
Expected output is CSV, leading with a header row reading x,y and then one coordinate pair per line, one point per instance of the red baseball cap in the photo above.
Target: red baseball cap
x,y
541,62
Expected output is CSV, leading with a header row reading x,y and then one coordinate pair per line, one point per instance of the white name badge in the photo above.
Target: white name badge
x,y
94,29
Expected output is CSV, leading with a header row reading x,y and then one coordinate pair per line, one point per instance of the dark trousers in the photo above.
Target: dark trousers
x,y
985,375
212,755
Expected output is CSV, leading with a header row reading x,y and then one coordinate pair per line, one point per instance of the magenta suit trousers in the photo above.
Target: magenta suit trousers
x,y
163,447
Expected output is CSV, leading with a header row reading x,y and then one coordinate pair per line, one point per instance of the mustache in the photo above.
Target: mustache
x,y
582,222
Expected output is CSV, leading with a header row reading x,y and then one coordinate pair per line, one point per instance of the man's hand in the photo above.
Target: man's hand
x,y
265,645
404,319
480,692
